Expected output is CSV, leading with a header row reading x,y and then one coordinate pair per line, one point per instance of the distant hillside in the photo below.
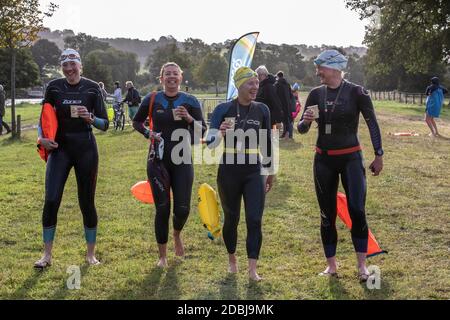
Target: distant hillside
x,y
144,48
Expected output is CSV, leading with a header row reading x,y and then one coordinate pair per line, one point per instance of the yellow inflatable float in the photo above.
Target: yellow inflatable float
x,y
208,208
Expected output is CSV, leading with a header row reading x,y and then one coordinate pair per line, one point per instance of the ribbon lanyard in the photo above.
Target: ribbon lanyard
x,y
328,115
238,110
240,144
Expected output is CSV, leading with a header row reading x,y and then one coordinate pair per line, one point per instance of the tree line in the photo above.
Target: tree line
x,y
408,44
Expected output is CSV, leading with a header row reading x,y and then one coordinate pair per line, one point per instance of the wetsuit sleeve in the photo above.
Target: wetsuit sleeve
x,y
141,115
444,90
311,100
266,146
101,116
365,105
214,136
199,124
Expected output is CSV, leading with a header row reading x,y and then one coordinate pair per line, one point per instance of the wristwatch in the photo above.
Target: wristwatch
x,y
379,152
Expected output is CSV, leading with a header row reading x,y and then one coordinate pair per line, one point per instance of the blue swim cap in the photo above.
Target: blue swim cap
x,y
295,87
332,59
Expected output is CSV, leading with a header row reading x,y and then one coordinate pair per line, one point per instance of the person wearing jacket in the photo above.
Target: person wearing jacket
x,y
132,99
268,95
283,89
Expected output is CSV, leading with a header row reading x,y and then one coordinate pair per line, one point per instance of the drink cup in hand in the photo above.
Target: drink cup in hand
x,y
176,117
74,112
315,110
230,121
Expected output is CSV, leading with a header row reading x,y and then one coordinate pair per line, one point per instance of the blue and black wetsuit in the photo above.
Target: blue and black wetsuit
x,y
338,153
76,148
175,171
240,172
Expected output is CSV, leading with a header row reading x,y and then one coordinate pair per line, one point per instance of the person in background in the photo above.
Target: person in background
x,y
2,111
132,99
435,99
268,95
283,89
103,91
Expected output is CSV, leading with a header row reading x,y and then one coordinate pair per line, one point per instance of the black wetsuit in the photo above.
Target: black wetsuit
x,y
170,173
338,128
240,171
76,148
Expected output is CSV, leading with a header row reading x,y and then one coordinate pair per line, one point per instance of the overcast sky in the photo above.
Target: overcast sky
x,y
311,22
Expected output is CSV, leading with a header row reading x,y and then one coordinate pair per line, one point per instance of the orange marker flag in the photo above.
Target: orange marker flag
x,y
342,210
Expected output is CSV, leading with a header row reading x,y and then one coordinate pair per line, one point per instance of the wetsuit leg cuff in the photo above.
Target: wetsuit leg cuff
x,y
49,234
360,244
90,234
330,250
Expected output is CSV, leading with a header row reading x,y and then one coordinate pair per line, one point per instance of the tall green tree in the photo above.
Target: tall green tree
x,y
20,23
45,54
84,44
111,65
169,52
408,41
27,71
95,69
213,69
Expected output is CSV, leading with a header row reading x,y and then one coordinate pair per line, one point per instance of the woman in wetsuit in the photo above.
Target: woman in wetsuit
x,y
246,128
78,103
338,153
175,115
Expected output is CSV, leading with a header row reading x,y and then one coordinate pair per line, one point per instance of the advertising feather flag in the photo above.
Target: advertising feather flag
x,y
241,56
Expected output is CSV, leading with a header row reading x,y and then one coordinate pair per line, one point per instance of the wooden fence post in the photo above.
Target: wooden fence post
x,y
18,127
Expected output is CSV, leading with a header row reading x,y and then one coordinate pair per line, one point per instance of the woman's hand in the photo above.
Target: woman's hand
x,y
376,166
308,116
269,182
225,126
48,144
184,114
84,114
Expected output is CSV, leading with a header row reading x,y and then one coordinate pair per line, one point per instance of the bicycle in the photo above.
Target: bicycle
x,y
119,116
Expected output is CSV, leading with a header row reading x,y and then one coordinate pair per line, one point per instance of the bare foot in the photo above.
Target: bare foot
x,y
162,263
254,276
331,272
179,248
232,264
43,262
233,268
92,260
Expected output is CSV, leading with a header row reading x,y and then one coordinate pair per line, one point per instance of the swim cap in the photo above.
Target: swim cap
x,y
332,59
243,74
70,55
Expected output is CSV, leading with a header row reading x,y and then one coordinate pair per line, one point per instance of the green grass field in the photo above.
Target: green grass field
x,y
408,211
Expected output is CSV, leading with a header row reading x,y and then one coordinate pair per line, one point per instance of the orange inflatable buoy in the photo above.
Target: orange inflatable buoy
x,y
342,210
49,126
142,192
